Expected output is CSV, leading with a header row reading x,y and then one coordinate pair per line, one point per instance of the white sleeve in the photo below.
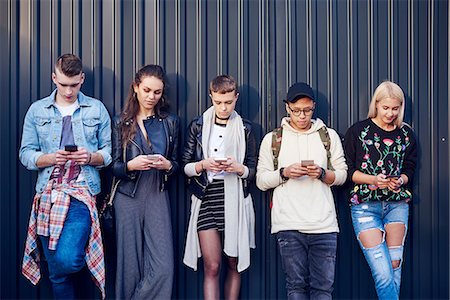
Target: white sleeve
x,y
337,158
266,177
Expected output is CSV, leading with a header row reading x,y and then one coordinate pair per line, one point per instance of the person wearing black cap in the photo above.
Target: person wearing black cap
x,y
300,161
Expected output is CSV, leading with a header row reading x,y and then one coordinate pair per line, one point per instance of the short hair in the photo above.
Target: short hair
x,y
69,64
387,89
223,84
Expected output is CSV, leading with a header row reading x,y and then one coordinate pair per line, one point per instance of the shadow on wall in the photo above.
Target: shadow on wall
x,y
322,108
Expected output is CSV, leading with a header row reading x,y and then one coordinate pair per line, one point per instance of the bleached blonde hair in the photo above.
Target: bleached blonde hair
x,y
387,89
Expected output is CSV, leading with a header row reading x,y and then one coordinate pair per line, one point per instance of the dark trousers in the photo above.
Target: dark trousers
x,y
308,263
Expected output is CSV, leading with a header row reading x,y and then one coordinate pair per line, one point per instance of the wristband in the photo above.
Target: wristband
x,y
402,182
322,174
284,178
90,157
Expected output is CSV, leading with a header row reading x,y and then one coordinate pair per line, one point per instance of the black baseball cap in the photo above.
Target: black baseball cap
x,y
297,90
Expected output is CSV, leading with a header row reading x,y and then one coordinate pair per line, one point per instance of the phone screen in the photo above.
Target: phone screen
x,y
307,162
220,159
71,148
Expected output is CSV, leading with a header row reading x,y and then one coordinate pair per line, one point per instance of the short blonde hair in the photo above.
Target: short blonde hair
x,y
387,89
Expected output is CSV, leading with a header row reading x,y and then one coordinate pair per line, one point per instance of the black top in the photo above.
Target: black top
x,y
373,150
155,133
193,152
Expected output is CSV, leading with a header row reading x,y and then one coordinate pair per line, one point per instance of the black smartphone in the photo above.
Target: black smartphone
x,y
393,176
71,148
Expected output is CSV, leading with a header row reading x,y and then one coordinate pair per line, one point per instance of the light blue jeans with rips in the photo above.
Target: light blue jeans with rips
x,y
376,215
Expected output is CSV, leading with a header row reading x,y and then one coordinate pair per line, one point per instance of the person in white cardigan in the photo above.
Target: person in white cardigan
x,y
220,159
303,214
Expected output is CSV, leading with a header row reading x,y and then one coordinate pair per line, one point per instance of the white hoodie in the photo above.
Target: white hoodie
x,y
304,204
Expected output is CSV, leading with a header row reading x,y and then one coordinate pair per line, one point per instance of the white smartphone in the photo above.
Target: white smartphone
x,y
308,162
153,157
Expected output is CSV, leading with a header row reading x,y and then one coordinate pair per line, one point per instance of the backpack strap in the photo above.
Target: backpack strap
x,y
277,134
326,141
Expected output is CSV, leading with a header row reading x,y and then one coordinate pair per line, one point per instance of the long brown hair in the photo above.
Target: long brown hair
x,y
131,109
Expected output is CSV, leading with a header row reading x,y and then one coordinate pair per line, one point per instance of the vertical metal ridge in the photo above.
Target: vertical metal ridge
x,y
198,52
158,41
370,45
411,90
350,61
72,26
310,43
391,40
288,37
135,35
434,147
220,20
330,73
177,46
262,36
240,43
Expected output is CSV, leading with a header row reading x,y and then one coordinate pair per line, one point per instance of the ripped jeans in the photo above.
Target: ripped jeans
x,y
376,215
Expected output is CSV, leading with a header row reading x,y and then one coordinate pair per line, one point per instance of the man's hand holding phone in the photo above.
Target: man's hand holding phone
x,y
295,170
80,155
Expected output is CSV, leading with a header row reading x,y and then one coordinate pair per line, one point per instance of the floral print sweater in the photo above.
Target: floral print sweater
x,y
372,150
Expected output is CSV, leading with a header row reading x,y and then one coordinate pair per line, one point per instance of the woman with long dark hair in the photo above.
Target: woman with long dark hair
x,y
145,142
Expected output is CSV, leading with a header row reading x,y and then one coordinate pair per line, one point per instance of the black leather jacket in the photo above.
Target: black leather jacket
x,y
193,152
130,180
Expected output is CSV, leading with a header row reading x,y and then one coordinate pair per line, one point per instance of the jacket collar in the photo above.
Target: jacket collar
x,y
50,100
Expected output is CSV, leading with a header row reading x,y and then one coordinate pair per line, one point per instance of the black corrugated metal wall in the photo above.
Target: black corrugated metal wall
x,y
342,48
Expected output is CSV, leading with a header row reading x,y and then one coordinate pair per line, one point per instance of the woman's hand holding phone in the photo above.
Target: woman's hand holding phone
x,y
140,163
159,162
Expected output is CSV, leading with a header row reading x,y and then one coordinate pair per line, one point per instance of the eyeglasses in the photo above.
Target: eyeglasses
x,y
307,111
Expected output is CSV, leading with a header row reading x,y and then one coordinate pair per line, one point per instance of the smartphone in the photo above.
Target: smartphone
x,y
393,176
220,159
307,162
71,148
153,157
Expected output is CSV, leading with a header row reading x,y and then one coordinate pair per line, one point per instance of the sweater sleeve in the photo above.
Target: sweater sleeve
x,y
350,140
337,159
266,177
410,160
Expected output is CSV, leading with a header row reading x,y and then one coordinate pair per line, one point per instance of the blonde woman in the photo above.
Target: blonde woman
x,y
381,155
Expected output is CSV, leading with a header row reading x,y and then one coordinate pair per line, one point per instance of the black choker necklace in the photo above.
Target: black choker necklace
x,y
223,119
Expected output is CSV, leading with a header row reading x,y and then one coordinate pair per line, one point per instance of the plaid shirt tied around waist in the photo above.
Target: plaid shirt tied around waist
x,y
47,219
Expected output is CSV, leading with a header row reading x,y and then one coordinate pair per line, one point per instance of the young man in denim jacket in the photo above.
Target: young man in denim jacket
x,y
66,138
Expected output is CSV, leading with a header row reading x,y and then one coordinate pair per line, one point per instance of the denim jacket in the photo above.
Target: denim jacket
x,y
42,128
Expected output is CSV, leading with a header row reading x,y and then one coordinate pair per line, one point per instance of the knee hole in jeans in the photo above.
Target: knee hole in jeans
x,y
396,256
395,234
371,237
395,264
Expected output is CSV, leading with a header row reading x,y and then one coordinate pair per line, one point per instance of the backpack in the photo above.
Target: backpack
x,y
277,135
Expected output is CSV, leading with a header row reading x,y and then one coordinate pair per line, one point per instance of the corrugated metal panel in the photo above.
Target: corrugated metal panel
x,y
343,48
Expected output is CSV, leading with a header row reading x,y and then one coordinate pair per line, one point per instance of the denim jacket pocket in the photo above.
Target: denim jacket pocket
x,y
90,127
43,126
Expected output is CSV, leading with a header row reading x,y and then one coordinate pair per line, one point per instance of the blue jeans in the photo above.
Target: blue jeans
x,y
308,263
377,214
68,258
